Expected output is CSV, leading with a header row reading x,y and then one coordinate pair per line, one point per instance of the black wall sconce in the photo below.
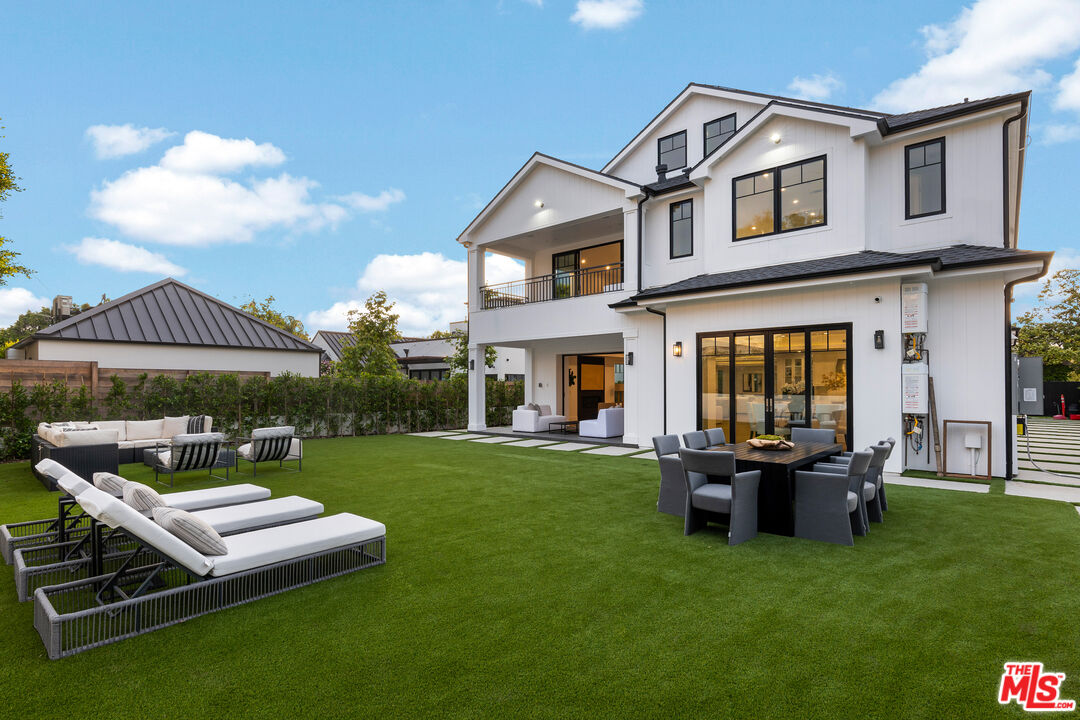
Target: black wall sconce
x,y
676,349
472,364
572,378
879,339
629,358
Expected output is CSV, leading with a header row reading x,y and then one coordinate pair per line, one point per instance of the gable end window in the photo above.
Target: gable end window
x,y
718,131
682,229
671,151
924,179
781,199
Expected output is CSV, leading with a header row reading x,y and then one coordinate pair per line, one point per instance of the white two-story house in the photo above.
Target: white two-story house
x,y
741,263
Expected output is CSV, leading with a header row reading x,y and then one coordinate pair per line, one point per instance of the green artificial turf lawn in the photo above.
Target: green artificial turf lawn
x,y
524,582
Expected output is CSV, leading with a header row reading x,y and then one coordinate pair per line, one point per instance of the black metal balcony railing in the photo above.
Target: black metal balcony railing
x,y
590,281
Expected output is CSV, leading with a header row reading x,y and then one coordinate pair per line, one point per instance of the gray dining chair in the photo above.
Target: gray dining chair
x,y
695,440
714,437
672,498
714,491
844,458
812,435
828,504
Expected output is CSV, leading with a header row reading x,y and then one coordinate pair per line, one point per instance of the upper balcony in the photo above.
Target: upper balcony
x,y
560,285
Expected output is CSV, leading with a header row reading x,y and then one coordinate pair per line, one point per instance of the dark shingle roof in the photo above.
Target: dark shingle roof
x,y
949,258
338,341
172,313
905,121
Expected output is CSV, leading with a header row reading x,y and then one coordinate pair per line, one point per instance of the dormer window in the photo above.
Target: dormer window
x,y
671,151
924,183
718,131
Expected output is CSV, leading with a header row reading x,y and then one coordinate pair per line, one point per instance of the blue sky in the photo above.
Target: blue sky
x,y
319,151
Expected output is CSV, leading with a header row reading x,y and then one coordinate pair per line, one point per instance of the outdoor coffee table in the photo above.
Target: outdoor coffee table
x,y
776,492
566,426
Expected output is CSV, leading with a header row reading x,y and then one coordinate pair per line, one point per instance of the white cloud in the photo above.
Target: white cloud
x,y
992,47
1026,294
112,141
202,152
373,203
1054,134
815,87
120,256
14,301
1068,97
605,14
428,289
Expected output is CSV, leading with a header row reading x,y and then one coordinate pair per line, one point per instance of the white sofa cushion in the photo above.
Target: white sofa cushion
x,y
286,542
173,426
234,518
215,496
73,437
144,429
193,530
120,426
272,432
115,513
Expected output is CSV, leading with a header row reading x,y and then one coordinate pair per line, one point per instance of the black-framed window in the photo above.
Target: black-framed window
x,y
437,374
924,178
718,131
781,199
682,229
671,150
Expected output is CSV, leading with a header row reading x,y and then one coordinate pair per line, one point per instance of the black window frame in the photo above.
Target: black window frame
x,y
659,154
907,178
776,198
671,228
705,133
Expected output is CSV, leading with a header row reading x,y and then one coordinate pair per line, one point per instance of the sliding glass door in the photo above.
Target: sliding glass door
x,y
770,381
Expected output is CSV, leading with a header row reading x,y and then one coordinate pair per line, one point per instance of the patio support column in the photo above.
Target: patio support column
x,y
529,376
630,389
477,388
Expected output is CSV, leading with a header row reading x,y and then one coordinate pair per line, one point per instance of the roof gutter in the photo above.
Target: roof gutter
x,y
1010,428
1005,127
663,359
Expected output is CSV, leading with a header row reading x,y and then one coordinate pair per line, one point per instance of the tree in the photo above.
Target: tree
x,y
374,328
30,322
8,185
265,310
459,361
1052,328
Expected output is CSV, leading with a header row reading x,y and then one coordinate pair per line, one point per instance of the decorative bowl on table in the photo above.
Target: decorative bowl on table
x,y
770,442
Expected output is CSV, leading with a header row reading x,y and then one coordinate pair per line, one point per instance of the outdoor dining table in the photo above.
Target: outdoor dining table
x,y
776,492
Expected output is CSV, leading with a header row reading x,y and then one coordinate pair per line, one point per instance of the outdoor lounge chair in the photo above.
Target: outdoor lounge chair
x,y
199,451
608,423
812,435
695,440
827,504
672,498
708,497
273,444
180,583
95,552
68,526
714,437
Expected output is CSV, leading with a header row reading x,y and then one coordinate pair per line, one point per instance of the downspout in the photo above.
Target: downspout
x,y
640,227
663,357
1010,430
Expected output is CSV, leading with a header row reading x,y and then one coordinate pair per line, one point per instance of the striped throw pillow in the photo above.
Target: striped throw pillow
x,y
195,424
110,483
193,530
141,497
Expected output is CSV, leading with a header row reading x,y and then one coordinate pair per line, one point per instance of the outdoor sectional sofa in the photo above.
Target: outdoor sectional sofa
x,y
102,446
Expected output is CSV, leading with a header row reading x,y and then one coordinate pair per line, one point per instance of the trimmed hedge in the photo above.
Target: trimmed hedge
x,y
325,406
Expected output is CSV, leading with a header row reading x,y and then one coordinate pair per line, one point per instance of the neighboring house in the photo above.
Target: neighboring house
x,y
744,285
425,358
171,326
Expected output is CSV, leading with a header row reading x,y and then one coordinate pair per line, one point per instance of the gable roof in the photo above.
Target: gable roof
x,y
887,123
953,257
539,158
172,313
337,340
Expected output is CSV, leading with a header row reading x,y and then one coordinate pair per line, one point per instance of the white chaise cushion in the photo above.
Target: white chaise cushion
x,y
173,426
234,518
120,426
110,483
116,513
287,542
193,530
141,497
215,496
66,480
145,429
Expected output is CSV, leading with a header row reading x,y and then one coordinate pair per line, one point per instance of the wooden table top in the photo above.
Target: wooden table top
x,y
800,453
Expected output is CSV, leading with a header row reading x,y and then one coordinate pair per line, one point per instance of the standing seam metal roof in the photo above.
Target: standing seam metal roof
x,y
172,313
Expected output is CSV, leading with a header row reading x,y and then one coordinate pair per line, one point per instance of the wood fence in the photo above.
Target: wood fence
x,y
76,374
